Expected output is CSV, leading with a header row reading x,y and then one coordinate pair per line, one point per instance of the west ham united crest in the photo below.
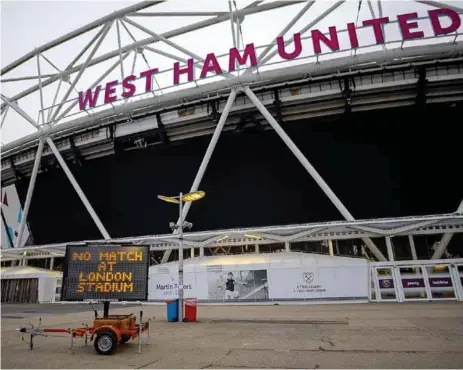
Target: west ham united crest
x,y
308,277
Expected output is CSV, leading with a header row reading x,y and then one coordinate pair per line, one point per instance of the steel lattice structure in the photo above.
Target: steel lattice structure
x,y
63,114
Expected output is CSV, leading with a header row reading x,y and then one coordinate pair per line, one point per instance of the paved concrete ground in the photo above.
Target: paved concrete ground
x,y
11,311
419,335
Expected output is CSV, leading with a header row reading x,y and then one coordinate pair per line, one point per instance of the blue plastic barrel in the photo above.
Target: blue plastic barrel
x,y
172,310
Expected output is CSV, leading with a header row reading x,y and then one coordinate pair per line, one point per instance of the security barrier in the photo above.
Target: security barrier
x,y
419,280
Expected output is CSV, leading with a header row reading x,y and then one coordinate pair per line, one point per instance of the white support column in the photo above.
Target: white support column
x,y
444,242
78,189
30,191
206,159
287,247
192,253
201,252
309,168
52,263
257,248
390,250
412,247
64,166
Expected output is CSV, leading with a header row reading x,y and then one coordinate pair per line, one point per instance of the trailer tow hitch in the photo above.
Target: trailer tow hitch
x,y
33,331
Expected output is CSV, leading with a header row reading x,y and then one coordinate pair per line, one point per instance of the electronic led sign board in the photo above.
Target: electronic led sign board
x,y
104,272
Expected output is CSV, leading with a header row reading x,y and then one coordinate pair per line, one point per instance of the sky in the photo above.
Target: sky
x,y
25,25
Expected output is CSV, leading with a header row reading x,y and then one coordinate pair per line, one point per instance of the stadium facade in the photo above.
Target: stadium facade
x,y
344,142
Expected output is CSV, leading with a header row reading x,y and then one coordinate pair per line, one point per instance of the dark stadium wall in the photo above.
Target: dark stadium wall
x,y
395,162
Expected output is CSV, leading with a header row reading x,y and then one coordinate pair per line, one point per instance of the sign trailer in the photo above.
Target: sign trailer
x,y
103,273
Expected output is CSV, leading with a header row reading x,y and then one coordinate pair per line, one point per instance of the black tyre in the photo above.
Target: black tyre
x,y
105,342
125,338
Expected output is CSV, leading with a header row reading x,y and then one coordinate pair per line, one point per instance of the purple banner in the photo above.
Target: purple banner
x,y
413,283
386,283
440,282
418,283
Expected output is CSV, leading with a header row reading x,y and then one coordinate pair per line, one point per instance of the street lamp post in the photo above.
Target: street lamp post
x,y
180,260
190,197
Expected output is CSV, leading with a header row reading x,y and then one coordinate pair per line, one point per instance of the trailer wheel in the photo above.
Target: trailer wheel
x,y
105,342
125,338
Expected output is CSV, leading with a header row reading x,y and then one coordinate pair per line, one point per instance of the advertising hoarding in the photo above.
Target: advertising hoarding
x,y
262,283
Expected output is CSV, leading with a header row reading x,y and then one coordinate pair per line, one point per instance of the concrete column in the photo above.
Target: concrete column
x,y
192,253
412,247
201,252
287,247
52,263
257,248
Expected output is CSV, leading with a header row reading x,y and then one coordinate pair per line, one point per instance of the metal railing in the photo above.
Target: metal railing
x,y
419,280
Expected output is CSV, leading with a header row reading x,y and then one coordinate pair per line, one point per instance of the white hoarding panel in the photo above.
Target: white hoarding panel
x,y
318,282
261,281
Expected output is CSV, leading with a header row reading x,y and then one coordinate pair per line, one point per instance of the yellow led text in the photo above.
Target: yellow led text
x,y
106,279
